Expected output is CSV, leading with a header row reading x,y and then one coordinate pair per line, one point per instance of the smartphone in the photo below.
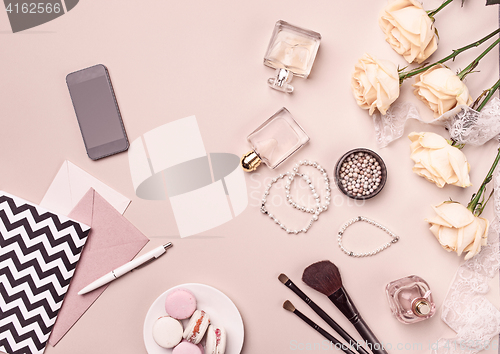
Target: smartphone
x,y
97,112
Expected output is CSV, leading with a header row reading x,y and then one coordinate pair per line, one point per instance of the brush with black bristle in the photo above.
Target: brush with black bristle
x,y
331,322
287,305
325,277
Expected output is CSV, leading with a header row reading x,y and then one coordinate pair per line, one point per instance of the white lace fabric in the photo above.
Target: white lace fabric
x,y
465,309
465,125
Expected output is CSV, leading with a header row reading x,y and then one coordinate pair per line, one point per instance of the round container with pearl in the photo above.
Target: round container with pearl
x,y
360,174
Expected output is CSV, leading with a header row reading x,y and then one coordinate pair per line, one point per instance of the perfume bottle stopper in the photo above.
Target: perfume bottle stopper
x,y
250,161
274,141
291,51
421,307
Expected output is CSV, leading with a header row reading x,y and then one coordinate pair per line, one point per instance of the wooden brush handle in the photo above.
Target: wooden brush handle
x,y
368,335
324,333
331,322
344,303
350,340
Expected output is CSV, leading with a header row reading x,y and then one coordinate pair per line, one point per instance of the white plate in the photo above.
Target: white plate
x,y
221,309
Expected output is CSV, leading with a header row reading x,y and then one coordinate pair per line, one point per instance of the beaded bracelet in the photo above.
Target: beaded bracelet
x,y
291,176
395,238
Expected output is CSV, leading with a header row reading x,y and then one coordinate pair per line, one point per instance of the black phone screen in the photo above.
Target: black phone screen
x,y
97,112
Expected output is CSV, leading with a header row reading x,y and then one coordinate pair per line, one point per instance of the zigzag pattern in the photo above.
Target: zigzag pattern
x,y
45,215
26,225
39,251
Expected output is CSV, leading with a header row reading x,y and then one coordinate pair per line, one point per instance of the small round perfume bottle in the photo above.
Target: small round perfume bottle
x,y
410,299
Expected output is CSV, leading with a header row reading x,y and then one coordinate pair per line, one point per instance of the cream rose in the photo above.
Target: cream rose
x,y
438,161
458,230
375,84
441,90
409,30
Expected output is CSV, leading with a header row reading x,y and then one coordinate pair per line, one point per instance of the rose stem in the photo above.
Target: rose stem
x,y
433,13
472,206
462,74
490,92
404,75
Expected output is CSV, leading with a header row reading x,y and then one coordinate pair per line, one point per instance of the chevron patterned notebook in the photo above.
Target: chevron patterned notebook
x,y
39,251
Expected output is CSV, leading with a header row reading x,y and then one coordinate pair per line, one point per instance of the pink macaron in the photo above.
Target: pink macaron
x,y
180,304
197,326
186,347
216,340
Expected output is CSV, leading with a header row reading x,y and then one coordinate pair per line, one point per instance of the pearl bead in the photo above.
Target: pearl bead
x,y
319,208
371,222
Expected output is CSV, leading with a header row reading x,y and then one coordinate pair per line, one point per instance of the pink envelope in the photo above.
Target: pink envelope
x,y
112,241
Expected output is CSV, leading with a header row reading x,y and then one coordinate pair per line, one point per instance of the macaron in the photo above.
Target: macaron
x,y
216,340
167,332
186,347
180,304
197,326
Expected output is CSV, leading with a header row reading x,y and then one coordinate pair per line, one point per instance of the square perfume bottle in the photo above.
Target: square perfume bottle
x,y
274,141
410,299
291,51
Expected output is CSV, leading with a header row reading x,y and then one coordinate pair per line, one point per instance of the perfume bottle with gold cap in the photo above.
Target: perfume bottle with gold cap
x,y
291,51
274,141
410,299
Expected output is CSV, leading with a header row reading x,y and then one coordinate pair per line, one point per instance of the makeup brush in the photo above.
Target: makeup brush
x,y
331,322
325,277
287,305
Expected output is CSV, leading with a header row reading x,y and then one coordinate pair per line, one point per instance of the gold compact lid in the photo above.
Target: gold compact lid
x,y
421,307
250,161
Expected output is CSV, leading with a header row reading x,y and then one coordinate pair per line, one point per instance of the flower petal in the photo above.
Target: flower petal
x,y
437,220
460,166
454,213
448,238
433,141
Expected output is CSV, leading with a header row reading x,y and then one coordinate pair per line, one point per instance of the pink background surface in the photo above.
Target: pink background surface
x,y
168,60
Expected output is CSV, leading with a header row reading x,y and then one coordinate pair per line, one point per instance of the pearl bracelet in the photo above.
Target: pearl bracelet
x,y
395,238
291,176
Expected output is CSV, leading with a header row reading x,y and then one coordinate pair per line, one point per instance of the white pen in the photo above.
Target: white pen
x,y
127,267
